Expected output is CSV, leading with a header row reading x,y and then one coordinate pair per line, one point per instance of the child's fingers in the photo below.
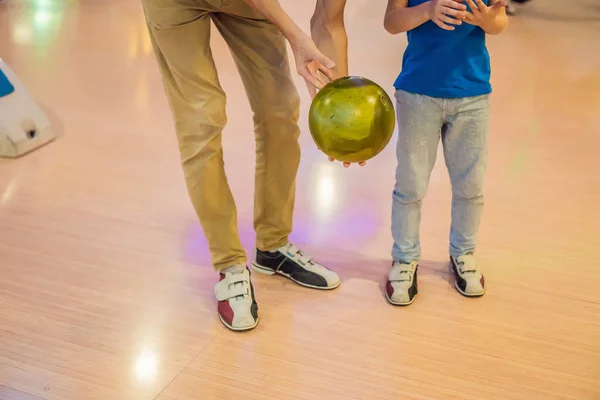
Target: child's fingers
x,y
472,6
455,4
499,4
480,4
443,25
453,13
449,20
469,18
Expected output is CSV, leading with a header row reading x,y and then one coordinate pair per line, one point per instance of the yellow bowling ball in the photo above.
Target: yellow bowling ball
x,y
351,119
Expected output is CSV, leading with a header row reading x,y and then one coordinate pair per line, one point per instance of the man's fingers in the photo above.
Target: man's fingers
x,y
327,72
321,80
347,164
309,78
313,69
311,89
325,61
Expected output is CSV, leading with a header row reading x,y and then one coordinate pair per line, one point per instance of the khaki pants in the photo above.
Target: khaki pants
x,y
180,33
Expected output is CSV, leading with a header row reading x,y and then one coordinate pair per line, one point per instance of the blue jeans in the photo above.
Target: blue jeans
x,y
463,127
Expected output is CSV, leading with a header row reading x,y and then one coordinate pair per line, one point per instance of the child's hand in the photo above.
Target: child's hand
x,y
346,164
482,15
445,12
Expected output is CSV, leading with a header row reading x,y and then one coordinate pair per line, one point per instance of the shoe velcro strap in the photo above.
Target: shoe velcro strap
x,y
232,279
402,274
401,277
233,285
225,292
466,264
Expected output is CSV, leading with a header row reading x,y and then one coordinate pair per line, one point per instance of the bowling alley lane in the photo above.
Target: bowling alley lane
x,y
106,287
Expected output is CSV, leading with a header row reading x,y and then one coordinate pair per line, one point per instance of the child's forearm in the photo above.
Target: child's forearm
x,y
398,20
329,33
333,42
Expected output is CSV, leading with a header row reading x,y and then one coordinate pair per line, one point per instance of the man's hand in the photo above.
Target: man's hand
x,y
492,19
445,13
347,164
311,64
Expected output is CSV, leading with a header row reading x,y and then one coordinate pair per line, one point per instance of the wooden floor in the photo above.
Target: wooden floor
x,y
106,290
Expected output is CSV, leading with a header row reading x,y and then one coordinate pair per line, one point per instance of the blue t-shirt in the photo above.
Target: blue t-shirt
x,y
445,64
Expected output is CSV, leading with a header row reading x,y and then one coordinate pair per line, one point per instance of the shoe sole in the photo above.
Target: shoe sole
x,y
395,303
244,329
267,271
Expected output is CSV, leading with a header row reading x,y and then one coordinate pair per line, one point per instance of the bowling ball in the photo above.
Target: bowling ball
x,y
351,119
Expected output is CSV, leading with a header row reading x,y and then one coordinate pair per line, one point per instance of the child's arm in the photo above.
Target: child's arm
x,y
329,33
401,18
492,19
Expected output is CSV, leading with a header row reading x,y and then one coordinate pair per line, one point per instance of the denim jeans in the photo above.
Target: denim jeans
x,y
463,127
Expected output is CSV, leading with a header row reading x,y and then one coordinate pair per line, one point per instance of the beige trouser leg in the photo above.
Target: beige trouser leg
x,y
180,32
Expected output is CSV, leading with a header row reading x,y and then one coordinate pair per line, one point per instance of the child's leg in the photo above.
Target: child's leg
x,y
419,126
465,141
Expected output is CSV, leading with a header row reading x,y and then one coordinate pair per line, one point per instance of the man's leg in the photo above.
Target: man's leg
x,y
465,140
259,50
180,36
419,126
181,39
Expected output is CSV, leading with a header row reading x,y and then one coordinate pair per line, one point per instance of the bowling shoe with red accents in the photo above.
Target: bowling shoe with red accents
x,y
401,288
468,279
237,307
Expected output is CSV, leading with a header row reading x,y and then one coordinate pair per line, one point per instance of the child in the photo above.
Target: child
x,y
442,93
